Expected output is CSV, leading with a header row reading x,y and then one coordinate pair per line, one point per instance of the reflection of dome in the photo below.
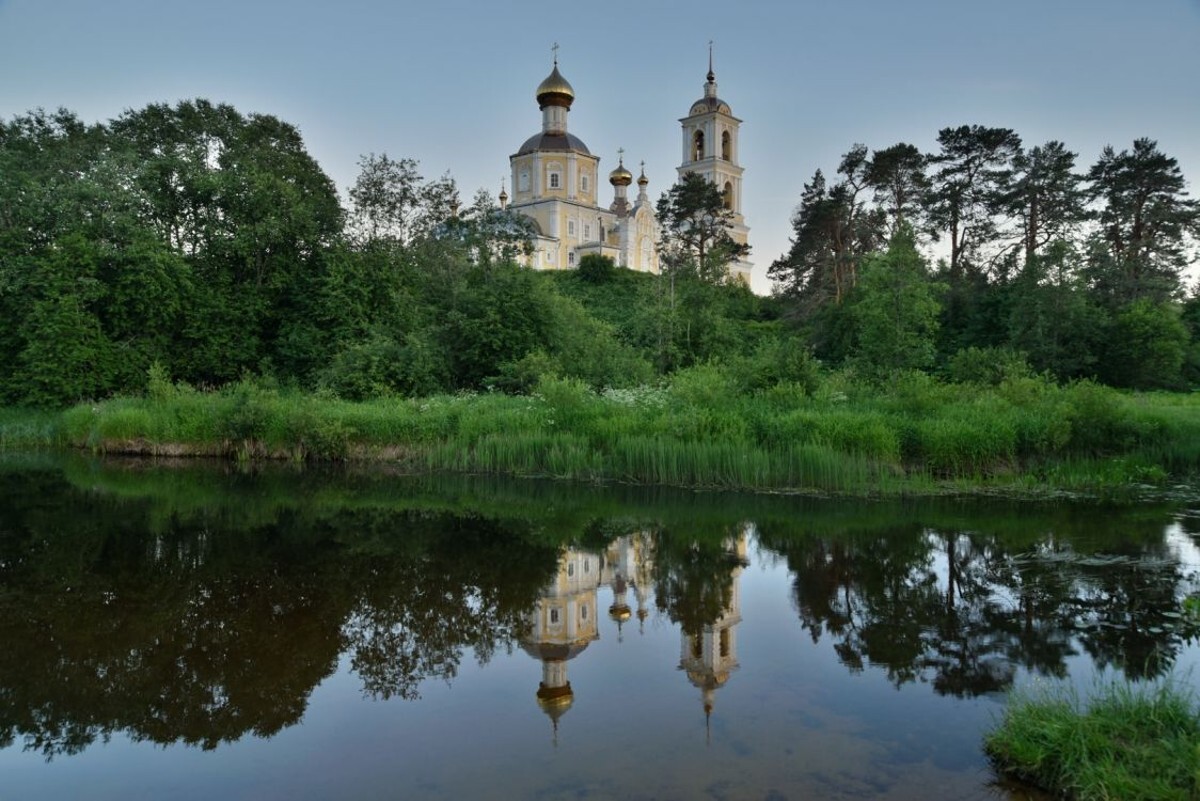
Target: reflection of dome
x,y
620,612
553,651
555,90
555,701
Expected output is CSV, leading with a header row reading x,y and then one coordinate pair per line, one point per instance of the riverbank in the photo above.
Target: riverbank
x,y
915,435
1136,744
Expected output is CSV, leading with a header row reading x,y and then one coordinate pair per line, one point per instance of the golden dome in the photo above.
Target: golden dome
x,y
555,90
642,179
620,176
619,613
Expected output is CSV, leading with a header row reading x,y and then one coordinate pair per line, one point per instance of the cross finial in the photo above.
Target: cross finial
x,y
621,154
555,49
711,76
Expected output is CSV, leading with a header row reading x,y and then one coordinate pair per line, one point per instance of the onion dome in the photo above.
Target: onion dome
x,y
619,613
555,90
620,176
643,181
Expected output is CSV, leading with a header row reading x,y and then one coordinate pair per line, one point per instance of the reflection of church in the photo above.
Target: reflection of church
x,y
563,622
555,182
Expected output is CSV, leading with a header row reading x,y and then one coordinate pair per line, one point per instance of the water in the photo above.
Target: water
x,y
199,631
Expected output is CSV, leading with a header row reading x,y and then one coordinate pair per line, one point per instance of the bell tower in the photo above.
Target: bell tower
x,y
710,149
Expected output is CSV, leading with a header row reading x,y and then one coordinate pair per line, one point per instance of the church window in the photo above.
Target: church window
x,y
587,232
697,646
570,228
727,195
571,259
725,642
583,612
554,616
523,181
555,180
571,569
583,182
726,146
587,565
698,146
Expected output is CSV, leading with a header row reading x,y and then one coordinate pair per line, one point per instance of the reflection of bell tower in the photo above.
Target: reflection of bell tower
x,y
710,656
561,624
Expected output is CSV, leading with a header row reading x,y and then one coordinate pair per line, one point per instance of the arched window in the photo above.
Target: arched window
x,y
728,195
698,146
726,146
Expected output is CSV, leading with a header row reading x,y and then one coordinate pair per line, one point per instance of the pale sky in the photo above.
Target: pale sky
x,y
451,83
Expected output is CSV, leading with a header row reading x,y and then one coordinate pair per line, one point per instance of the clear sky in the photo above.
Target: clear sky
x,y
450,83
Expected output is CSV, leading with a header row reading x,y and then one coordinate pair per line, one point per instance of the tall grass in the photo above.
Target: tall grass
x,y
1128,742
700,429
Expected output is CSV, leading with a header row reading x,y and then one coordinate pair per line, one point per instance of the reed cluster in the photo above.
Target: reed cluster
x,y
1131,743
701,429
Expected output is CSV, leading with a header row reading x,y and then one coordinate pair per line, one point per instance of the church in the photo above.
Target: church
x,y
555,180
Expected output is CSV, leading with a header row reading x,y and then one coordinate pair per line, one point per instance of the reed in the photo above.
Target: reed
x,y
1131,742
908,436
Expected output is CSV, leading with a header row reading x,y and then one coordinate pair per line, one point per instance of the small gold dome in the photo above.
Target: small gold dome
x,y
555,90
620,176
642,179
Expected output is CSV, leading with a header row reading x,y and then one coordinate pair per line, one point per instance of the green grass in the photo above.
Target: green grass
x,y
912,435
1128,742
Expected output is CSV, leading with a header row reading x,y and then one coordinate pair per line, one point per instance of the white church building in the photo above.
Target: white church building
x,y
555,182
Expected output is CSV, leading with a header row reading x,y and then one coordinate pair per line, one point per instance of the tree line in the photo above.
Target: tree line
x,y
1079,272
210,245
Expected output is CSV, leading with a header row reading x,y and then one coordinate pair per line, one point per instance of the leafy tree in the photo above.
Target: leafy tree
x,y
1146,347
832,232
1146,224
1046,197
1053,319
897,176
596,268
696,230
896,309
973,172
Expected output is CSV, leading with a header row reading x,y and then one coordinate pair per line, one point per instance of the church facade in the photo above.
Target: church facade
x,y
556,183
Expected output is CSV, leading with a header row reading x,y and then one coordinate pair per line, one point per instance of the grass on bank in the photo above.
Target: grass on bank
x,y
704,428
1130,743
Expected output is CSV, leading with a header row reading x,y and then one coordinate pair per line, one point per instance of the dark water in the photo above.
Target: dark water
x,y
197,632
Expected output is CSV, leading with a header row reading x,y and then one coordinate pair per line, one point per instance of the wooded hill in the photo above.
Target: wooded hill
x,y
208,242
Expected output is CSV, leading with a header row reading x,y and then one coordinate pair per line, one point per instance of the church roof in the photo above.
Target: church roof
x,y
564,142
706,104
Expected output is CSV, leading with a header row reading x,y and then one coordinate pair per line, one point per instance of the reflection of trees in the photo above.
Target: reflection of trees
x,y
204,632
693,575
469,586
963,610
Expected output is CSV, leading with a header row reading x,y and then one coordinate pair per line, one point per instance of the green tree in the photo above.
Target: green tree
x,y
697,230
1046,197
1147,224
897,176
1146,347
973,173
896,310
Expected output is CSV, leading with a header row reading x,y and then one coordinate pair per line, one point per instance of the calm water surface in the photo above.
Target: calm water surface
x,y
197,632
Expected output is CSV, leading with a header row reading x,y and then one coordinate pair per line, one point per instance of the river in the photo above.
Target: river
x,y
207,630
